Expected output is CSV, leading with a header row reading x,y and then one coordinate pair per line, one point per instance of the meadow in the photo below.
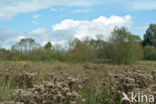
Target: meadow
x,y
90,71
26,82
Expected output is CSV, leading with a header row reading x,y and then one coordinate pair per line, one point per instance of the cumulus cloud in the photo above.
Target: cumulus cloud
x,y
100,25
10,8
8,37
41,35
61,44
65,25
65,31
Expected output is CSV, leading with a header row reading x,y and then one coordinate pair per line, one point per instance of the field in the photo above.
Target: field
x,y
24,82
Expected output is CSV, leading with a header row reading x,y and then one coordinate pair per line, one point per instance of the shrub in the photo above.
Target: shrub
x,y
81,52
4,54
150,53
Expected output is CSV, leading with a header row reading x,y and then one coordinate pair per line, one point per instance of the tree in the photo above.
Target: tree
x,y
124,47
98,44
150,52
150,36
81,51
48,46
25,45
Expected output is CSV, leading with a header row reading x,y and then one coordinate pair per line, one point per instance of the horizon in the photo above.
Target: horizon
x,y
61,21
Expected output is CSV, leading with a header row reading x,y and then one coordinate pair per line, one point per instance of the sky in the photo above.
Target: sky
x,y
60,21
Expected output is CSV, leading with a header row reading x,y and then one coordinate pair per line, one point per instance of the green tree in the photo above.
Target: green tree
x,y
80,51
48,46
150,52
124,47
150,36
25,45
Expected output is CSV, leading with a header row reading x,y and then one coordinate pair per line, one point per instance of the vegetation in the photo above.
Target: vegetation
x,y
46,83
150,52
125,47
121,48
150,36
149,43
35,74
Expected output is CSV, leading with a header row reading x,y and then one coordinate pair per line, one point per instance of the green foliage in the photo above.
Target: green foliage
x,y
48,46
25,45
150,53
150,43
150,36
80,51
4,54
123,47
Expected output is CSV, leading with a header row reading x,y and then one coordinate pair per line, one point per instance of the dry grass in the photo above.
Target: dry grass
x,y
92,86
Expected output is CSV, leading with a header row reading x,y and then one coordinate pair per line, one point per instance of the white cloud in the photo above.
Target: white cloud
x,y
66,24
7,33
9,8
61,44
144,5
41,35
100,25
82,10
66,30
39,31
19,38
8,37
138,4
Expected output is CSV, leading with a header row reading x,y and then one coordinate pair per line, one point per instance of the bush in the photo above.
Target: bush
x,y
35,55
4,54
81,52
149,53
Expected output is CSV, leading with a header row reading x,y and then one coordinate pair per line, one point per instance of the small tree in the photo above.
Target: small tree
x,y
48,46
25,45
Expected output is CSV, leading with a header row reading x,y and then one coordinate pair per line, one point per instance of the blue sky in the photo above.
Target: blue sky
x,y
59,21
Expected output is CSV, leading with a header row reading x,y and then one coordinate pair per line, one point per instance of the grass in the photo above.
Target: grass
x,y
90,91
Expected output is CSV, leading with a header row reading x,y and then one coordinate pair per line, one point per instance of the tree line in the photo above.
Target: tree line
x,y
122,47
